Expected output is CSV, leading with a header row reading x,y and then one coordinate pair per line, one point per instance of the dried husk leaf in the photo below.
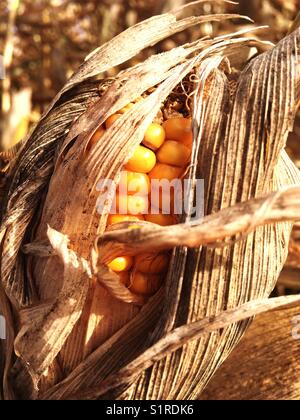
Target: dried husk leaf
x,y
130,42
112,386
44,322
201,282
265,365
27,182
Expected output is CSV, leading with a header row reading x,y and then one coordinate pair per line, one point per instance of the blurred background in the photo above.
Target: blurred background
x,y
42,42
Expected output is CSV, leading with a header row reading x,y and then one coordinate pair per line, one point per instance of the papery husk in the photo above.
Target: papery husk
x,y
265,365
112,386
79,332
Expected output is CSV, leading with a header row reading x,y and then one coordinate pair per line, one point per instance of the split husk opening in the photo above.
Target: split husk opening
x,y
71,333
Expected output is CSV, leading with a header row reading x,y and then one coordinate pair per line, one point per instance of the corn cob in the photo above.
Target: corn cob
x,y
164,154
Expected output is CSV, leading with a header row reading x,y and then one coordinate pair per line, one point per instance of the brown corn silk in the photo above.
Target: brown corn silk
x,y
72,331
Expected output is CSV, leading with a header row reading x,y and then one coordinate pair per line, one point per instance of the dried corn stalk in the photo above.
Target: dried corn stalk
x,y
70,332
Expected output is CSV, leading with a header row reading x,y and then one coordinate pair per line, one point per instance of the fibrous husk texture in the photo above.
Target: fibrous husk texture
x,y
69,334
258,369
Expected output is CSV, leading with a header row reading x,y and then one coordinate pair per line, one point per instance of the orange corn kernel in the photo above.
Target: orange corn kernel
x,y
113,219
143,160
187,140
121,264
145,284
164,171
126,108
174,153
96,137
151,263
161,219
111,120
176,128
154,136
134,183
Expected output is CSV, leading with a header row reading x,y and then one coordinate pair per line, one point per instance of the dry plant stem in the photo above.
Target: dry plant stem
x,y
282,206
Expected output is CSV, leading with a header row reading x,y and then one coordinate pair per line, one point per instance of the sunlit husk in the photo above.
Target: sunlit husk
x,y
258,369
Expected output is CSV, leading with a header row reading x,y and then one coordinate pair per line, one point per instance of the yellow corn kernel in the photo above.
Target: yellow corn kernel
x,y
134,183
161,219
164,171
176,128
121,264
112,119
145,284
154,136
126,108
113,219
174,153
143,160
151,263
131,204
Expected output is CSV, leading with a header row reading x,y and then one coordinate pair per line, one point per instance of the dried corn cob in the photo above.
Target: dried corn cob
x,y
134,191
